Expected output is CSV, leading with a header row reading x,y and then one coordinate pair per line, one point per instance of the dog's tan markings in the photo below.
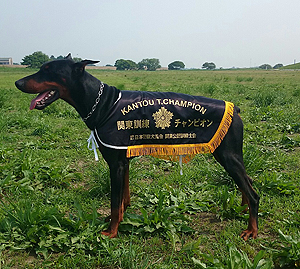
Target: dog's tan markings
x,y
251,230
34,87
116,218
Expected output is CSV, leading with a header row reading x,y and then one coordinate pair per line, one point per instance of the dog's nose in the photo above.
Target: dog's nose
x,y
20,84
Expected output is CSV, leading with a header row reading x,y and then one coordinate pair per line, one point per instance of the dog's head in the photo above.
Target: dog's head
x,y
54,80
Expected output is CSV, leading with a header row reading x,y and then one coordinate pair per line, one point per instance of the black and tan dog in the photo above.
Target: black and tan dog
x,y
69,81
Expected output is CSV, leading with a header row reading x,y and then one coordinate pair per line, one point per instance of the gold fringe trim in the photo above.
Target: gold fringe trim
x,y
223,127
187,149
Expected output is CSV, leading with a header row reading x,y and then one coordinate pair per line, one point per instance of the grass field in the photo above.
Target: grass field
x,y
54,196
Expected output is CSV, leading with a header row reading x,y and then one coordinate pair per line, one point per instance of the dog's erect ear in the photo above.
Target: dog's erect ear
x,y
86,62
79,67
68,57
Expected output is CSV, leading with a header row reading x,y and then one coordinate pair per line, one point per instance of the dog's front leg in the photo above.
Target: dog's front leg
x,y
126,193
117,175
120,199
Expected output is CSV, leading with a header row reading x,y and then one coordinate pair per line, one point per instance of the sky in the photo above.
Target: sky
x,y
231,33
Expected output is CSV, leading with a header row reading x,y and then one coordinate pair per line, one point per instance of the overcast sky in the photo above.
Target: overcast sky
x,y
238,33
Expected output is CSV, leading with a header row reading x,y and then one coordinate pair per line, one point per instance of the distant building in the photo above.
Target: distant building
x,y
6,61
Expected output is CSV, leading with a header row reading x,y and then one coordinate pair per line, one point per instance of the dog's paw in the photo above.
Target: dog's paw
x,y
248,234
109,233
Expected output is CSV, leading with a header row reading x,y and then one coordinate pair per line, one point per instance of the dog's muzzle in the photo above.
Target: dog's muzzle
x,y
20,84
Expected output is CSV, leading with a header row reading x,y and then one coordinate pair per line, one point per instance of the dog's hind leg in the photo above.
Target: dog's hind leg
x,y
244,198
229,154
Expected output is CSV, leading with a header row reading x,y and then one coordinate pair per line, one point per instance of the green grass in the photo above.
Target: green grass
x,y
54,196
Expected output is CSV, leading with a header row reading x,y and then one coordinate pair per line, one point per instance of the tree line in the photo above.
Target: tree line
x,y
36,59
145,64
267,66
153,64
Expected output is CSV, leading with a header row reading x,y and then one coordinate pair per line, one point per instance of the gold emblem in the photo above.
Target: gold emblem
x,y
162,118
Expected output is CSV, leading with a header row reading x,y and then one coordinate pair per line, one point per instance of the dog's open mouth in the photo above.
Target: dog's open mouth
x,y
44,99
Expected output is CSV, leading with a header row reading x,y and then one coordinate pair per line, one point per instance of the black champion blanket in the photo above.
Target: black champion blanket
x,y
154,123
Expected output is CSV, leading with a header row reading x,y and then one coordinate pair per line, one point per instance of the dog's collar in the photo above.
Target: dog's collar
x,y
96,103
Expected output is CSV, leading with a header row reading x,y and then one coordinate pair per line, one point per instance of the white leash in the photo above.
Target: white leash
x,y
93,145
180,164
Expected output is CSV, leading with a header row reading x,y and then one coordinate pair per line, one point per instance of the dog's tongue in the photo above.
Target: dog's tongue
x,y
40,97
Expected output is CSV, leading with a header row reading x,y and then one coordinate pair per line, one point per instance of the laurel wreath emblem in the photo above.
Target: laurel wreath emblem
x,y
162,118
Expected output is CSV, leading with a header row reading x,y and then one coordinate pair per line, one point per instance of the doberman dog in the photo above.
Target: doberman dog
x,y
69,81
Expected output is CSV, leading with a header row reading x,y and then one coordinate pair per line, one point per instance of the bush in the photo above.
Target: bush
x,y
177,65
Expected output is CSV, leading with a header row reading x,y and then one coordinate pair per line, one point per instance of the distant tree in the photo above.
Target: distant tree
x,y
132,65
149,64
208,66
176,65
122,64
35,60
277,66
265,66
52,57
60,57
76,59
